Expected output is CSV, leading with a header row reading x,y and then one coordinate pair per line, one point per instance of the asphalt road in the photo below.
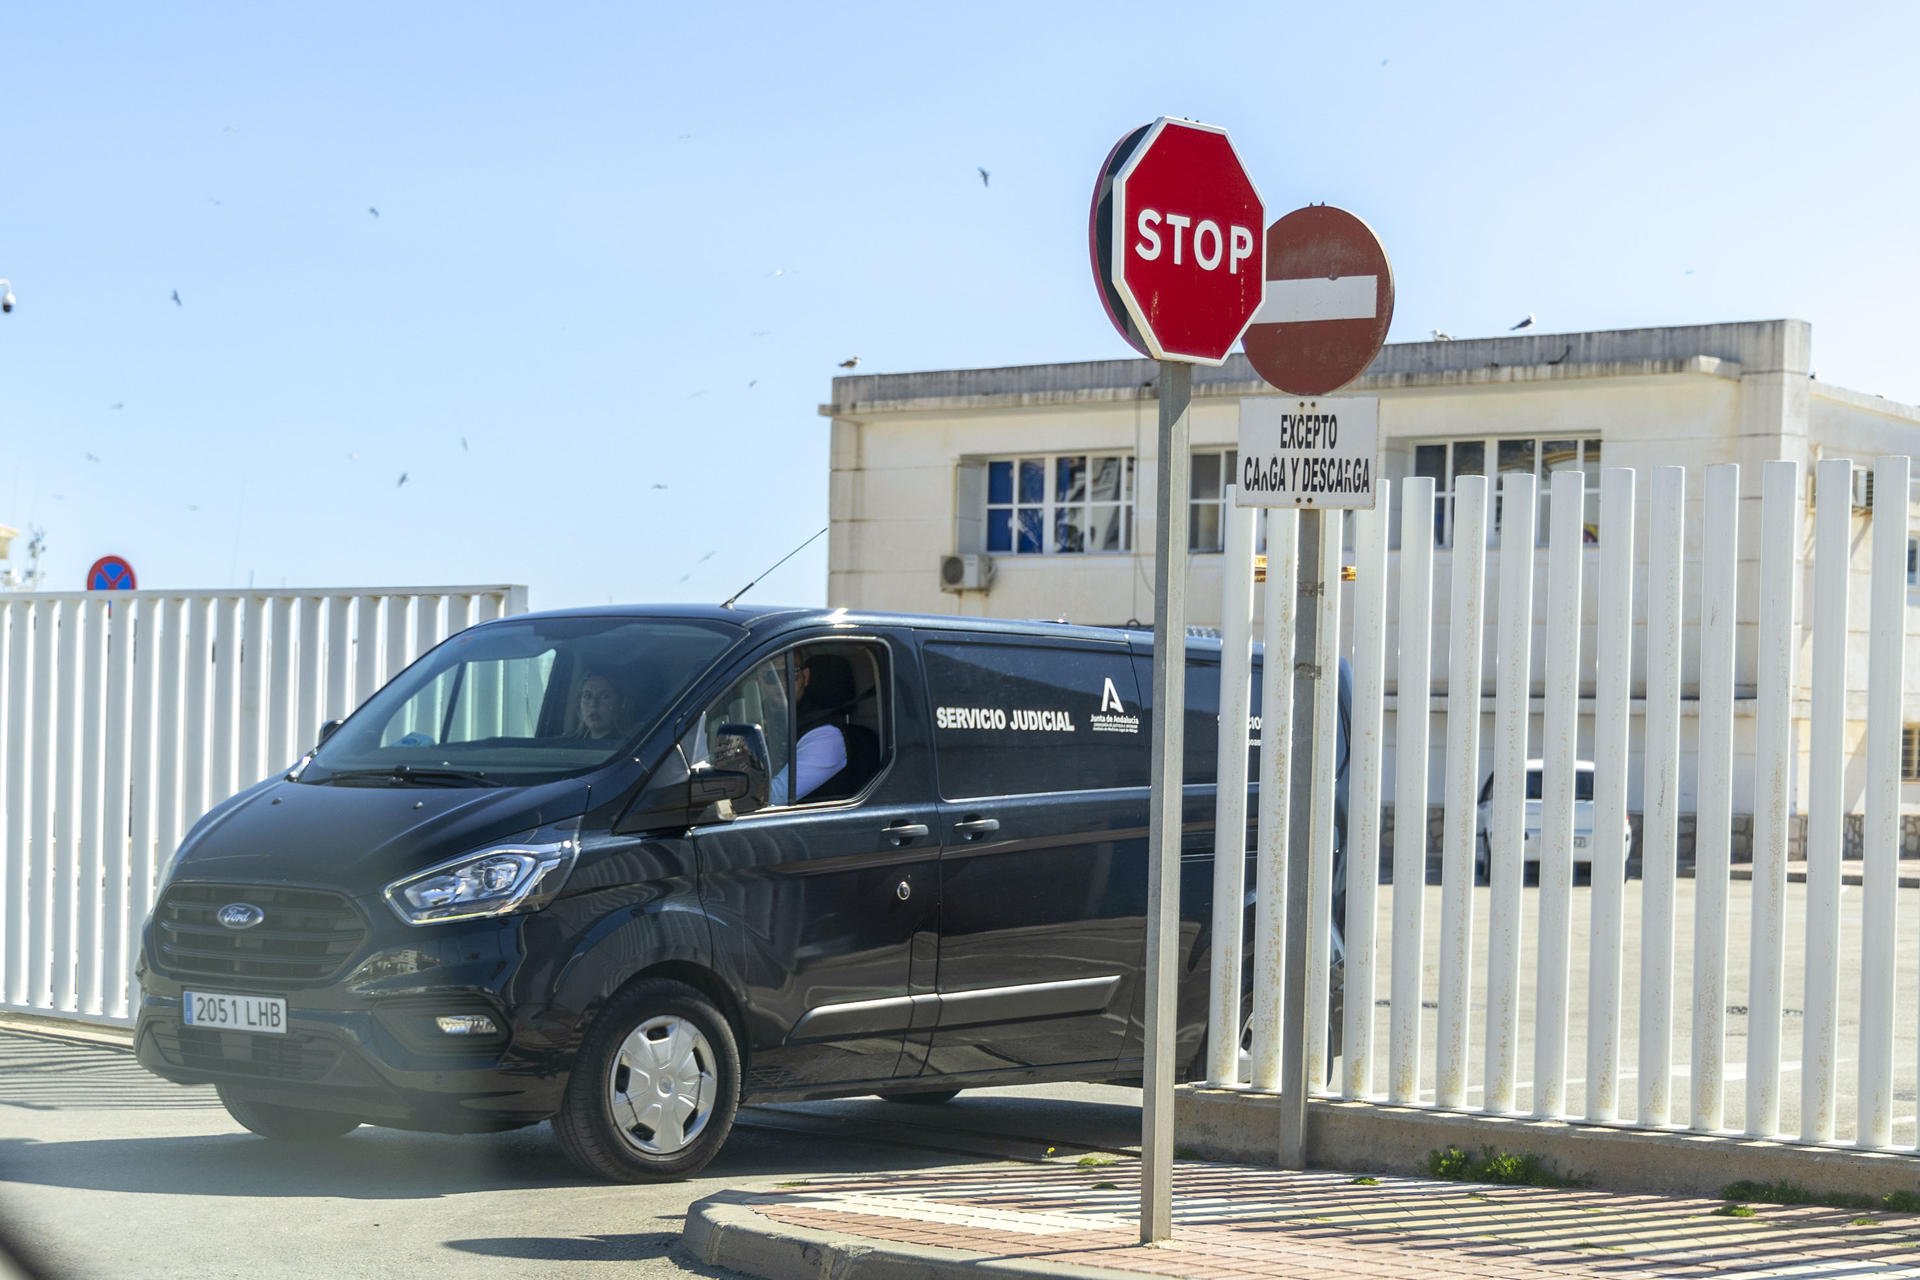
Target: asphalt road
x,y
108,1171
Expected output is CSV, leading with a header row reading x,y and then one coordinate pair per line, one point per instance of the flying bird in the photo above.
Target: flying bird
x,y
93,457
375,212
983,178
192,506
402,480
659,486
353,457
1527,323
120,404
848,364
176,299
1442,337
752,382
463,445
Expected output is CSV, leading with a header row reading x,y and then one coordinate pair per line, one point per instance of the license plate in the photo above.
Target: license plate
x,y
264,1014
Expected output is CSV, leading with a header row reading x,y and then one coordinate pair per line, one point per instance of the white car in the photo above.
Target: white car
x,y
1532,842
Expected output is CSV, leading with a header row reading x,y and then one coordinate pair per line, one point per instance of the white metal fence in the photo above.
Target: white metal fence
x,y
1531,942
124,716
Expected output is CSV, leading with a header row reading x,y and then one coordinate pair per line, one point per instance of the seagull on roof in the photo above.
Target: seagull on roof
x,y
1524,324
848,364
1442,337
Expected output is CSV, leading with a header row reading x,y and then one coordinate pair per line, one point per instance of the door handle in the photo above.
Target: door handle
x,y
974,828
901,832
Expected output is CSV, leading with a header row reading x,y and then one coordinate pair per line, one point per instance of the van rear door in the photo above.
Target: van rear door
x,y
1041,757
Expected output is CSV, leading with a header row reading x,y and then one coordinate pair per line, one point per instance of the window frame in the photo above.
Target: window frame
x,y
1052,505
1910,753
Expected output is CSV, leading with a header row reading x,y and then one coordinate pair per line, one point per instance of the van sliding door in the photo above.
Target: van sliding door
x,y
1041,756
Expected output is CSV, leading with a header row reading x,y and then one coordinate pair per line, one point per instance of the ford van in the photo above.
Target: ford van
x,y
625,869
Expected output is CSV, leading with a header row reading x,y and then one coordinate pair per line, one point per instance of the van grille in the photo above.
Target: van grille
x,y
308,934
289,1057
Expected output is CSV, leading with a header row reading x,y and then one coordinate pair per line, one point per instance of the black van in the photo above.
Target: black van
x,y
625,868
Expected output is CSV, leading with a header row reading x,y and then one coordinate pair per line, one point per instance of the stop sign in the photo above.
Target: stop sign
x,y
1176,241
1328,305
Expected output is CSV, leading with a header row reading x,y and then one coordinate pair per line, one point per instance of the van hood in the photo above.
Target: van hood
x,y
360,838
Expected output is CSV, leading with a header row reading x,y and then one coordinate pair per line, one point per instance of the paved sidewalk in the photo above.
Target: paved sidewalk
x,y
1245,1223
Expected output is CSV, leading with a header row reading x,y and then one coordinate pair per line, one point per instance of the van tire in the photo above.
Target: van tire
x,y
590,1126
922,1098
286,1124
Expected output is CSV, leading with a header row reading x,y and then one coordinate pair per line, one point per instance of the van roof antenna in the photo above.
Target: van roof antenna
x,y
728,602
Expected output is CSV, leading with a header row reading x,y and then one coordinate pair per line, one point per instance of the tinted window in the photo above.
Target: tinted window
x,y
1583,784
1014,718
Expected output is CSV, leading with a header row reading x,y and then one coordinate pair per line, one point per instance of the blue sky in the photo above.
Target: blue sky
x,y
621,247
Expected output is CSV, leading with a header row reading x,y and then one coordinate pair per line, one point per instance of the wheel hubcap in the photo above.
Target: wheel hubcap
x,y
661,1088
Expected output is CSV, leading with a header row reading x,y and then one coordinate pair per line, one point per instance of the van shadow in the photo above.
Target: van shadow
x,y
389,1164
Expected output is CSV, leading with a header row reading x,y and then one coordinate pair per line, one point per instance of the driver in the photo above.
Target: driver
x,y
603,711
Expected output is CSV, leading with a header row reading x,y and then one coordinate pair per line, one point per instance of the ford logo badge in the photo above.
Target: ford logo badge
x,y
240,915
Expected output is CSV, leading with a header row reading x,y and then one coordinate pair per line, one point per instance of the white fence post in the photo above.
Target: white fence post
x,y
1826,802
1503,839
88,857
1463,768
1412,721
1365,747
1560,732
1238,527
1713,822
1613,643
1880,831
63,862
1326,717
1780,533
1276,756
1659,823
20,774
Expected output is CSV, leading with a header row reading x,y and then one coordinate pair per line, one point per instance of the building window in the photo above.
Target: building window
x,y
1493,457
1060,504
1212,471
1913,562
1910,753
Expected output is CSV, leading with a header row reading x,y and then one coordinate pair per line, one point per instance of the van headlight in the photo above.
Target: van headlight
x,y
496,881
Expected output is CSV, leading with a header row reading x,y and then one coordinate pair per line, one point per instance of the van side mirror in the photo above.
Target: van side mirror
x,y
707,785
327,730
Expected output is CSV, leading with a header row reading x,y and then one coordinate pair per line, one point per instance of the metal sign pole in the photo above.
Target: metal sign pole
x,y
1293,1000
1164,816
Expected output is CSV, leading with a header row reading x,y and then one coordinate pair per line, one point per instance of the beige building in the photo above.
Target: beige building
x,y
1044,476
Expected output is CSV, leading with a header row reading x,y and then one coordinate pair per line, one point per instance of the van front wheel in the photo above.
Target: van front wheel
x,y
654,1091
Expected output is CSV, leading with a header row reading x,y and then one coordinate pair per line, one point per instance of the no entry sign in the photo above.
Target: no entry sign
x,y
1175,240
1329,301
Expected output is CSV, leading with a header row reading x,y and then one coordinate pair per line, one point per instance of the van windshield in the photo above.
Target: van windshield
x,y
520,702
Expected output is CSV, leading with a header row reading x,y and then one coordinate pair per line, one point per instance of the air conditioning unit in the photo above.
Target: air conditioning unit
x,y
966,572
1863,488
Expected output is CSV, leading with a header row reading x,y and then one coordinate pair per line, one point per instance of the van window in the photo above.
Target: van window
x,y
819,712
1017,719
524,700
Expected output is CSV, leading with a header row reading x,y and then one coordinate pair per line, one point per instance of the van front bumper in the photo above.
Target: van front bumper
x,y
367,1043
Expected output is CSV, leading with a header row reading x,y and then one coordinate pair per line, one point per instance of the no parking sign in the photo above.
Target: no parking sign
x,y
110,573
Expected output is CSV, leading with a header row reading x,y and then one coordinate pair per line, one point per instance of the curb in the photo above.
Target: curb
x,y
58,1028
724,1231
